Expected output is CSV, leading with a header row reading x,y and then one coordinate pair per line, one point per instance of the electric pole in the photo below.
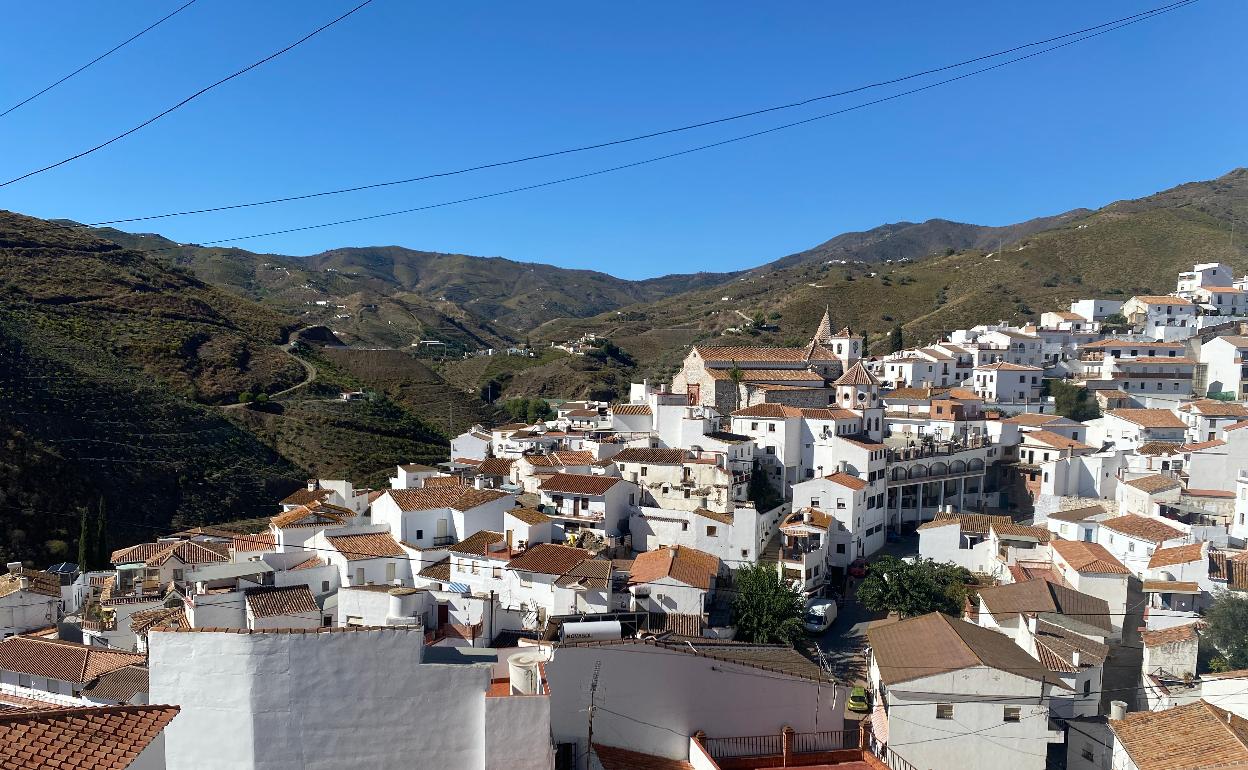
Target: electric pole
x,y
593,688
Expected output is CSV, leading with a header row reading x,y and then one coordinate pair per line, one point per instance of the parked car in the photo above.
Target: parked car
x,y
858,568
858,700
820,613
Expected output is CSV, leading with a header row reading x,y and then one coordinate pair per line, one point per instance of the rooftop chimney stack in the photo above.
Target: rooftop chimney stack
x,y
1117,710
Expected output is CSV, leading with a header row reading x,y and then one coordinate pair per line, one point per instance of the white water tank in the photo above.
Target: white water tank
x,y
592,631
524,673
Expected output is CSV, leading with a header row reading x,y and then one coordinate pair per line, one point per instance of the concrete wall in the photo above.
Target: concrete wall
x,y
315,701
518,733
667,696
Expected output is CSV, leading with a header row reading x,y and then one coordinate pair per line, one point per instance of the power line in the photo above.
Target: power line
x,y
679,153
649,135
102,56
192,97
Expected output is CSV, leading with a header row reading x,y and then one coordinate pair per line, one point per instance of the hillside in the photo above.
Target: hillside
x,y
1122,249
119,380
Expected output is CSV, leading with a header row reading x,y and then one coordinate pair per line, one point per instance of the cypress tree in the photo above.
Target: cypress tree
x,y
85,553
895,342
101,537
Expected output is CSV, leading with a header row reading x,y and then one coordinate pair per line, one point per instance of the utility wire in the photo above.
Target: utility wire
x,y
102,56
678,153
650,135
191,98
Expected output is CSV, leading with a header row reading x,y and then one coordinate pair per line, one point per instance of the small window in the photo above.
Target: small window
x,y
327,621
1087,687
944,711
1012,714
390,571
712,531
771,427
420,535
525,578
643,470
684,526
814,502
1087,754
324,586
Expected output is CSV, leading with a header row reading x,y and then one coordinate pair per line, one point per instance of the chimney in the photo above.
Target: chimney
x,y
14,567
1117,710
1074,658
313,484
509,533
1031,624
806,516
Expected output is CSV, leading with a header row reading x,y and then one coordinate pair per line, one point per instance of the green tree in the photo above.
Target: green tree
x,y
737,376
1073,401
765,610
895,341
1116,322
1228,630
914,588
761,492
85,549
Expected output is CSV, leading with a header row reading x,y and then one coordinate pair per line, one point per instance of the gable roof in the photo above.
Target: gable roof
x,y
935,643
477,543
1171,635
1158,448
1212,407
720,516
1055,440
857,375
1179,554
1143,528
529,516
87,738
1024,531
305,496
373,545
1078,514
1192,737
134,553
968,523
191,552
460,498
66,661
727,354
1154,483
1055,648
1037,597
1089,558
313,514
579,483
1032,419
846,480
163,617
120,686
38,582
688,565
650,456
631,410
1148,418
549,559
274,601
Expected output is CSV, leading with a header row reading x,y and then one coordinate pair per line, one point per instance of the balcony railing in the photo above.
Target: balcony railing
x,y
444,540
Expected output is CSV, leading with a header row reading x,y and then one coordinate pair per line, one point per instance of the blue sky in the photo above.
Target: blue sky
x,y
404,88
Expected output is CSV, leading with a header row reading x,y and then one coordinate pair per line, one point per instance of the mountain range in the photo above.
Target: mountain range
x,y
124,357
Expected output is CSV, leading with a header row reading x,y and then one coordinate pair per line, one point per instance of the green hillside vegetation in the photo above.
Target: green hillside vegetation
x,y
119,381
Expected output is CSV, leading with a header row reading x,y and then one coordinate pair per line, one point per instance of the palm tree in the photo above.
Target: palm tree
x,y
737,376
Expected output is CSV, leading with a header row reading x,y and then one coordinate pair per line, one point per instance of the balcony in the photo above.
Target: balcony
x,y
789,749
444,540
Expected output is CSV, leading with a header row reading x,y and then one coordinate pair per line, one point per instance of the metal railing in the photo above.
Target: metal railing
x,y
828,740
751,746
443,540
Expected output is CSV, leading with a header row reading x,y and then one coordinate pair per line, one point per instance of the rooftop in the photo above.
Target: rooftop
x,y
88,738
1196,736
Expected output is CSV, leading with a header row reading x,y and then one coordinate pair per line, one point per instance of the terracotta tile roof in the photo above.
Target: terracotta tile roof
x,y
1224,494
746,354
1078,514
1231,570
828,413
305,496
370,546
688,565
66,661
1006,366
1056,647
1155,483
1196,736
1143,528
651,456
1179,554
846,480
857,375
1089,558
933,644
434,482
630,410
970,523
591,573
1014,531
134,553
561,459
418,468
764,375
1031,419
1035,597
120,686
1236,426
461,498
1212,407
777,658
145,620
88,738
37,582
530,516
721,517
1158,448
478,543
579,484
549,559
1180,360
1161,299
1055,440
263,541
313,515
191,552
1170,587
768,411
274,601
612,758
1148,418
311,563
494,466
728,438
797,519
1146,344
440,571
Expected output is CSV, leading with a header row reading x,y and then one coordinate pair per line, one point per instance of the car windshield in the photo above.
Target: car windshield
x,y
814,617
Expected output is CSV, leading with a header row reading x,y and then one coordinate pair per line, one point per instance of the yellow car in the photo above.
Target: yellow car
x,y
858,700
